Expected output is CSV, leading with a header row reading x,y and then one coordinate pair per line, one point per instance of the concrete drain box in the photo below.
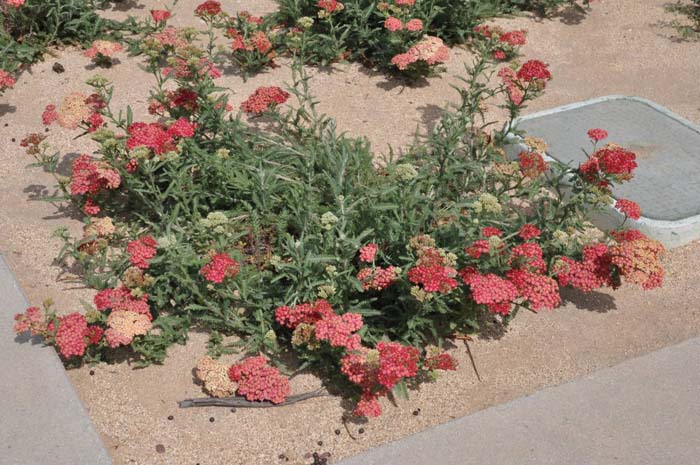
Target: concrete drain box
x,y
667,181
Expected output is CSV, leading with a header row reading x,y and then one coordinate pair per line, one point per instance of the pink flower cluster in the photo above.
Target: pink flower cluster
x,y
182,69
220,266
529,231
31,320
15,3
430,50
490,290
157,137
141,251
368,252
258,381
338,330
104,48
263,99
70,335
7,81
120,300
394,24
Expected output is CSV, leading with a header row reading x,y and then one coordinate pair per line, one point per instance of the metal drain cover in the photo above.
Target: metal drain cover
x,y
666,183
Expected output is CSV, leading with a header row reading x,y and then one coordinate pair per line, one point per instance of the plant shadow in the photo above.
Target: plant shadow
x,y
593,301
6,108
123,5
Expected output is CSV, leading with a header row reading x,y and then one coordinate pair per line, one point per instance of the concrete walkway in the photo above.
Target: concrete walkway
x,y
645,411
42,420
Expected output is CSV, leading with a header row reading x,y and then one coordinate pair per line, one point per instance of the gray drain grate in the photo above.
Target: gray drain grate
x,y
667,181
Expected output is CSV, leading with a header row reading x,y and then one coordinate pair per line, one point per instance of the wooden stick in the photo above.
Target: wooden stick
x,y
241,402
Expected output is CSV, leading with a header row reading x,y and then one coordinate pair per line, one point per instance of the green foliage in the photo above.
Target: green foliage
x,y
691,9
27,31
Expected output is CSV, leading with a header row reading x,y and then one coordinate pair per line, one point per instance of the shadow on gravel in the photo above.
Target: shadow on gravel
x,y
593,301
6,109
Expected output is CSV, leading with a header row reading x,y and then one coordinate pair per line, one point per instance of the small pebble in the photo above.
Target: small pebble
x,y
13,139
281,457
416,413
58,68
92,372
233,410
211,419
7,124
320,443
337,432
361,430
160,448
170,417
46,129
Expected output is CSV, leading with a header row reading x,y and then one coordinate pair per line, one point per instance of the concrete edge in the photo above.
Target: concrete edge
x,y
44,419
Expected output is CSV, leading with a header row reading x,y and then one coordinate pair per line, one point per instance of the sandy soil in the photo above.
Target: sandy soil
x,y
617,49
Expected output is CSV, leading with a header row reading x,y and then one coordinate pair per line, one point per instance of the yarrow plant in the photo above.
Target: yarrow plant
x,y
296,239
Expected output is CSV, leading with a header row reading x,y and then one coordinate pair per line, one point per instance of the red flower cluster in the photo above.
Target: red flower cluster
x,y
258,381
308,313
528,255
160,15
609,162
593,272
219,267
141,251
263,99
597,134
208,8
328,5
478,248
377,371
534,70
377,278
432,273
490,231
443,361
513,38
529,231
532,164
90,177
629,208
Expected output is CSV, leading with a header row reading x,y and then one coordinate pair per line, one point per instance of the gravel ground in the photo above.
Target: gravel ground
x,y
619,48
